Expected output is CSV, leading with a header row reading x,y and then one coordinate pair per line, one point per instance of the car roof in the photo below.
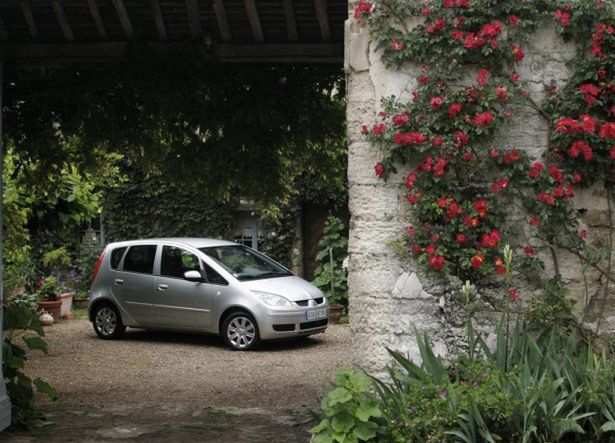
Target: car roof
x,y
188,241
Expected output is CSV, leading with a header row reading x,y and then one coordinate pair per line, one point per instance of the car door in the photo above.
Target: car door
x,y
134,283
180,302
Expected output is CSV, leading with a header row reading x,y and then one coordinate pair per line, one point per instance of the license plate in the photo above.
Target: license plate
x,y
316,313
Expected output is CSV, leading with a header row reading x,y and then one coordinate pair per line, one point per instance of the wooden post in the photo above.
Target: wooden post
x,y
5,402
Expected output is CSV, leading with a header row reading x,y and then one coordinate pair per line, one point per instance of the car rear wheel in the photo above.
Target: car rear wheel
x,y
107,322
240,331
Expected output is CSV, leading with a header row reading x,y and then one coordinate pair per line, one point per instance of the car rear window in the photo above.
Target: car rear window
x,y
116,257
140,258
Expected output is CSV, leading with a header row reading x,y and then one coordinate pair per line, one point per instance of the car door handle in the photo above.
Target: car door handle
x,y
163,287
119,281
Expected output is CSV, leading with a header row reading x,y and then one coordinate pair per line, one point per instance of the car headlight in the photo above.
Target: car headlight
x,y
272,299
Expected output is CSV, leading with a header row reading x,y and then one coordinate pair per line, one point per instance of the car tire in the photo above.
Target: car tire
x,y
107,322
240,331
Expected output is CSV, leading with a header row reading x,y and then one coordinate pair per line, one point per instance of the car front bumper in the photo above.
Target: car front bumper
x,y
275,324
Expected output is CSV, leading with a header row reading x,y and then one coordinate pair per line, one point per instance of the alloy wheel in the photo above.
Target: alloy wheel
x,y
106,321
241,332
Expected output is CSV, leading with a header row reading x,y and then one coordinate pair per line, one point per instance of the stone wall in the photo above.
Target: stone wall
x,y
388,297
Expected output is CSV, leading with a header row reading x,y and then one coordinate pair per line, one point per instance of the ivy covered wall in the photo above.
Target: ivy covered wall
x,y
144,205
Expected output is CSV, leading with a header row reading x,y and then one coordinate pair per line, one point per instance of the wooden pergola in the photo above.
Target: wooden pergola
x,y
85,32
94,31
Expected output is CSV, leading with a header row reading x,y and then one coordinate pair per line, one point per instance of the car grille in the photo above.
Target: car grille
x,y
313,324
318,301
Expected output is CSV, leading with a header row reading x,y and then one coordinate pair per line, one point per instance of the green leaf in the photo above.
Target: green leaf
x,y
36,343
45,388
322,426
338,395
365,431
342,423
364,413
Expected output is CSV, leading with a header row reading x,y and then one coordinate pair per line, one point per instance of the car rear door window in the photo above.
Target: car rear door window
x,y
177,261
116,257
140,258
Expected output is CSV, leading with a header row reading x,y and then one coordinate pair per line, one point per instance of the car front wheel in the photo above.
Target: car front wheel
x,y
240,331
107,322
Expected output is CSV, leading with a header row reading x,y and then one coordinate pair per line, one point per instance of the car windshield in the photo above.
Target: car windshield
x,y
245,263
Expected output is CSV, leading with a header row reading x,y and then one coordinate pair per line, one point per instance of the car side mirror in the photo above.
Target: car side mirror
x,y
194,276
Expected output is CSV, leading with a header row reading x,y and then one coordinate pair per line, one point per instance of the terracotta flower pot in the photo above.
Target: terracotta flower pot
x,y
52,307
335,313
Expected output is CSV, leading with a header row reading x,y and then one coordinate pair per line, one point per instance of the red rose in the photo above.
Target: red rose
x,y
534,222
481,208
436,102
461,237
477,261
519,54
583,234
379,169
467,156
454,110
501,92
512,294
529,250
437,262
513,20
363,9
436,141
482,77
484,119
416,249
396,45
563,17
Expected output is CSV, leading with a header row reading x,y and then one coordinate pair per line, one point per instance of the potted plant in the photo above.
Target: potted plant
x,y
59,262
81,300
48,291
330,276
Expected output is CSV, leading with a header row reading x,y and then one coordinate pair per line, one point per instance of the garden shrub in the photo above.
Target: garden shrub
x,y
21,321
533,387
334,241
350,410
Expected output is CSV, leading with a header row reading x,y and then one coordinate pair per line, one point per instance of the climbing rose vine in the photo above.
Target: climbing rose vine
x,y
461,184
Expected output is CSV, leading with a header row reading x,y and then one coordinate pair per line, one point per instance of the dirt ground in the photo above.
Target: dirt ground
x,y
162,386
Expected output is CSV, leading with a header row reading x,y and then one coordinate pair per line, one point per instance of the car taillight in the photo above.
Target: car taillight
x,y
97,267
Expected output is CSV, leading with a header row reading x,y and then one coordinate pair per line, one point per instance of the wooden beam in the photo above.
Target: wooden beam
x,y
222,20
291,22
194,19
4,33
323,19
37,54
122,14
162,30
255,21
97,19
26,9
58,10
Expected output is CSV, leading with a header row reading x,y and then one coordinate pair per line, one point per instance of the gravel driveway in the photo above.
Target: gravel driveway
x,y
155,378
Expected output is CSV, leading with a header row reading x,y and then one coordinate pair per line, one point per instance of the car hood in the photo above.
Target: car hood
x,y
292,287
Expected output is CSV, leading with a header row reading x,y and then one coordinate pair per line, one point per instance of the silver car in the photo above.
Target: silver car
x,y
202,285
